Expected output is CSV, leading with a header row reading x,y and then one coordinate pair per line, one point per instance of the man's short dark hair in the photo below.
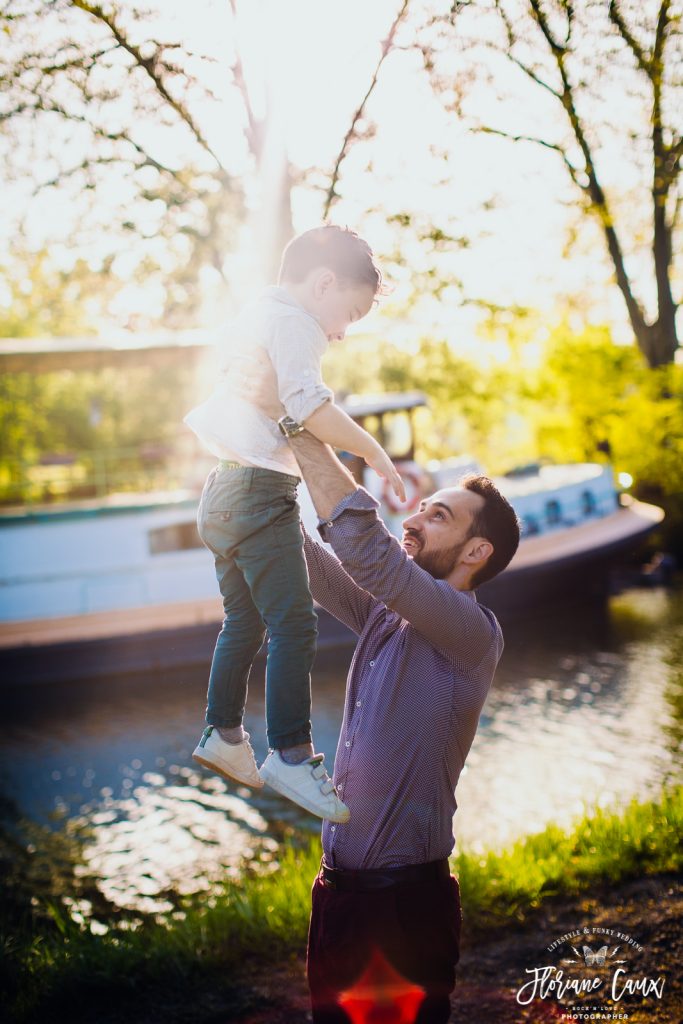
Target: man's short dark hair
x,y
338,249
497,522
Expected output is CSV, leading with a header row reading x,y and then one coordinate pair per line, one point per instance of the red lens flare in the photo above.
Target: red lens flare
x,y
381,995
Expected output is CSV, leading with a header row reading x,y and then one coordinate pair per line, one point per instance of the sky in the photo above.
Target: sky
x,y
315,58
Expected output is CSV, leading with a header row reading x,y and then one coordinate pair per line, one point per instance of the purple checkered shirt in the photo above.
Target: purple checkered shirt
x,y
419,676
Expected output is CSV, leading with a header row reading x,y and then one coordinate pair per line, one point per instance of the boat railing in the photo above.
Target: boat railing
x,y
163,464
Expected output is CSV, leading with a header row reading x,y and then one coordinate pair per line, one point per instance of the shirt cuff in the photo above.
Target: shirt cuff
x,y
357,501
305,403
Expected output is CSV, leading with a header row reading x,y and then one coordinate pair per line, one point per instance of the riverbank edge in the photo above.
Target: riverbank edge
x,y
54,959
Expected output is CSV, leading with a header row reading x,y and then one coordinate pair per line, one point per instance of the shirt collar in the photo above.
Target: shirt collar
x,y
279,294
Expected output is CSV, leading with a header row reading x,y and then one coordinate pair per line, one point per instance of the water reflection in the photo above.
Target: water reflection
x,y
167,839
586,710
564,732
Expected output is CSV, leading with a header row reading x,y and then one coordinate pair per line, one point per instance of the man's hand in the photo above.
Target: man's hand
x,y
253,378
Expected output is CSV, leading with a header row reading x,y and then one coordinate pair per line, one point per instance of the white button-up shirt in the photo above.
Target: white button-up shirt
x,y
228,424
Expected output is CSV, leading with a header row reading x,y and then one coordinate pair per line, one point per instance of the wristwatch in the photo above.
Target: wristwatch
x,y
289,427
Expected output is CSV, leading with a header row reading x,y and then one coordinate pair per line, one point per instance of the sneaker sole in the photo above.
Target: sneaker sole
x,y
291,794
214,767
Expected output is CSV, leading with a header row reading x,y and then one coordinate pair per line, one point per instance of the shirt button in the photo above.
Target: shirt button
x,y
348,743
372,664
333,828
357,703
329,524
340,787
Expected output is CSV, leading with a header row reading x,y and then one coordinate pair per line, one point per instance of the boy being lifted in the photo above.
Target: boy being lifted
x,y
249,518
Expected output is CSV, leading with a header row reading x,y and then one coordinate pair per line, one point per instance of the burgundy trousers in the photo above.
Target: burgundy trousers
x,y
355,938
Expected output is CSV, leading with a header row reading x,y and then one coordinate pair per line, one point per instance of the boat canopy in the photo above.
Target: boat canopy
x,y
359,406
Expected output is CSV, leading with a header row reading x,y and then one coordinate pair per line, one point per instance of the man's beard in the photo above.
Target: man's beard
x,y
439,564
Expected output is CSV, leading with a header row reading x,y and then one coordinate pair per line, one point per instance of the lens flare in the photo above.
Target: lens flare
x,y
381,995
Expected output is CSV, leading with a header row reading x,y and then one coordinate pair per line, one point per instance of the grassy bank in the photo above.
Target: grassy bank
x,y
51,961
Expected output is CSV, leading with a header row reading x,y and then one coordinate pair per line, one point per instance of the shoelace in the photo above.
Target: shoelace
x,y
319,773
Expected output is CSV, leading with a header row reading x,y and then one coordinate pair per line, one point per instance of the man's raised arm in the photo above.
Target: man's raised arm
x,y
327,480
451,619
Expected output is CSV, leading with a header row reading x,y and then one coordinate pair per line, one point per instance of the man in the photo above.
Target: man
x,y
384,902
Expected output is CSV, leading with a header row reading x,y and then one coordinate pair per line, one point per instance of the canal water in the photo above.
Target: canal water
x,y
586,710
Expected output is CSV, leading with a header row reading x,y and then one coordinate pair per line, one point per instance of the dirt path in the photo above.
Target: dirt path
x,y
492,968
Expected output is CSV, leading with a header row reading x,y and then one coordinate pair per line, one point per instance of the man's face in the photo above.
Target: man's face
x,y
436,535
339,305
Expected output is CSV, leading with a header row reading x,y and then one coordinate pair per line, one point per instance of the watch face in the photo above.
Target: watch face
x,y
288,426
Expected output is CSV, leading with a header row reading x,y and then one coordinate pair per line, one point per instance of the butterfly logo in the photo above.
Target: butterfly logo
x,y
592,958
596,959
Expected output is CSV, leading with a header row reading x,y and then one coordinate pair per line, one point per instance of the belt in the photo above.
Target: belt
x,y
382,878
226,464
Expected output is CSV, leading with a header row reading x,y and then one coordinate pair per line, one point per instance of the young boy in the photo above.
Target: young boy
x,y
249,518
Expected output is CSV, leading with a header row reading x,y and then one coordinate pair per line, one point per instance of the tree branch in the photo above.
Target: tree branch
x,y
558,49
50,107
150,67
533,76
70,171
675,216
387,46
663,22
84,62
568,6
616,17
15,111
593,188
573,171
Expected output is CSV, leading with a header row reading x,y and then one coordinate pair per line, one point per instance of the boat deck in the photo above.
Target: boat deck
x,y
122,622
545,551
571,542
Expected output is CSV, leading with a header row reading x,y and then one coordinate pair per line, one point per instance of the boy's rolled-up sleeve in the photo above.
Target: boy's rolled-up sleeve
x,y
296,350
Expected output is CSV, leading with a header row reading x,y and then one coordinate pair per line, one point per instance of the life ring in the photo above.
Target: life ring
x,y
411,474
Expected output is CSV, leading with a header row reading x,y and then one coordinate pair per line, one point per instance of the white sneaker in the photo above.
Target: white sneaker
x,y
234,761
306,784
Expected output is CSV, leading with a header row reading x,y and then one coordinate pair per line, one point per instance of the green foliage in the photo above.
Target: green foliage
x,y
51,958
90,419
40,299
594,400
583,398
604,846
468,409
591,392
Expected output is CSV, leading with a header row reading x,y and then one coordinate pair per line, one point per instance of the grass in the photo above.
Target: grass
x,y
51,960
602,847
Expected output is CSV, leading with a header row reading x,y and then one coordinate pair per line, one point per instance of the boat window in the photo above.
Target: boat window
x,y
530,526
553,512
398,434
588,503
176,537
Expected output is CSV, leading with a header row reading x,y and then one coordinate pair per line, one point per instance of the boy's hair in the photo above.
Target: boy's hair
x,y
338,249
497,522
